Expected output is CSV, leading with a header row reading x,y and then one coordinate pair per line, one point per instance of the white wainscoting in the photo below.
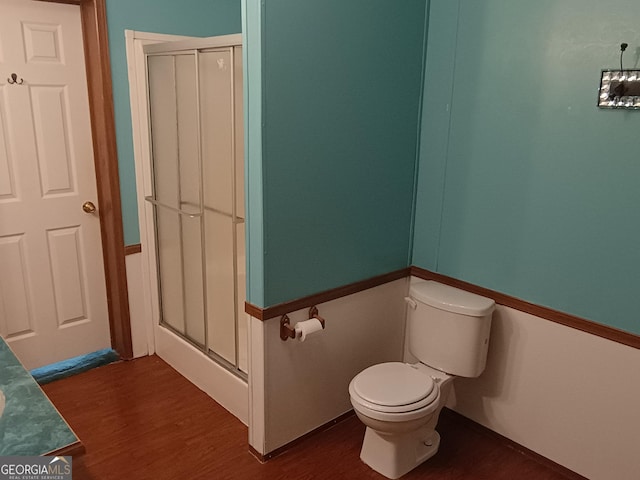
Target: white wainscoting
x,y
139,311
570,396
298,386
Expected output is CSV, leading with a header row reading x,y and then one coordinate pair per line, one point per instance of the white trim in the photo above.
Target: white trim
x,y
234,40
256,396
137,305
135,42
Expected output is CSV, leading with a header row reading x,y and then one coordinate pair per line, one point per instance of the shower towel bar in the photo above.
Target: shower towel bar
x,y
157,203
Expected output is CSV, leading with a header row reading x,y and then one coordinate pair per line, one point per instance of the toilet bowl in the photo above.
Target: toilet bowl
x,y
448,335
399,403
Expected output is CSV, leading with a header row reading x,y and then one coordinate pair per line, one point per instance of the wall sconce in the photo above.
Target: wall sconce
x,y
620,88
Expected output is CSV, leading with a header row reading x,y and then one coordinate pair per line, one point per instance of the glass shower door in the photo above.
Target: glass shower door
x,y
195,113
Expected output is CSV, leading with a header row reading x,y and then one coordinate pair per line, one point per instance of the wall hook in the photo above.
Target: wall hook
x,y
14,80
623,47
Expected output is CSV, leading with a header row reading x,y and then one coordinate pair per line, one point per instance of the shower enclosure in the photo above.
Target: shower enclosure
x,y
196,140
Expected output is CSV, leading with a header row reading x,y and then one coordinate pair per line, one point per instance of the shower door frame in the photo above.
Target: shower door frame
x,y
218,381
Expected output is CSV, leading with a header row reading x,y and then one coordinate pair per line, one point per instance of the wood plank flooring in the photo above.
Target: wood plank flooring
x,y
142,420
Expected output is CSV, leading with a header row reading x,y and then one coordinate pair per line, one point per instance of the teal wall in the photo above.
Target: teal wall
x,y
197,18
252,28
341,86
524,185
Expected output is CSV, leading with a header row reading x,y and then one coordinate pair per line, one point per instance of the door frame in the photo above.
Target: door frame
x,y
98,65
134,43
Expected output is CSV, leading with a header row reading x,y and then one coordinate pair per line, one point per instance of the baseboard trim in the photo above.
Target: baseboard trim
x,y
556,316
257,454
322,297
458,417
278,451
570,474
566,319
132,249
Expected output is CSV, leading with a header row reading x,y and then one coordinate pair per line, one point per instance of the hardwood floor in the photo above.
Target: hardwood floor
x,y
141,420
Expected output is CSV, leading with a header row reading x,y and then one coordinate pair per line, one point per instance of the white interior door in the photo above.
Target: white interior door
x,y
52,289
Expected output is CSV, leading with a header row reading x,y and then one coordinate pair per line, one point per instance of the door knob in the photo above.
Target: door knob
x,y
88,207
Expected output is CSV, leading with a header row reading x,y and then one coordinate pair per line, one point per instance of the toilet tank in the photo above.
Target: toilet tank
x,y
449,328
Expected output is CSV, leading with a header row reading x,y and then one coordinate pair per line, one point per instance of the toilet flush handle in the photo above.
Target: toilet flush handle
x,y
411,302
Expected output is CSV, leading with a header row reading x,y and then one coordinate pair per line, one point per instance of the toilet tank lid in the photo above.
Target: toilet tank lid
x,y
451,299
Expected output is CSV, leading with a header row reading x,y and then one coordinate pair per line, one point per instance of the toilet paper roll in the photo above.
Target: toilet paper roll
x,y
303,329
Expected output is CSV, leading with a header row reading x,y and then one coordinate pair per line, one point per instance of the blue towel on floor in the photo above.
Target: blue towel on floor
x,y
74,365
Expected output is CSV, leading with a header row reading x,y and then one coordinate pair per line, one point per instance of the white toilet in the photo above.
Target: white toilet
x,y
448,332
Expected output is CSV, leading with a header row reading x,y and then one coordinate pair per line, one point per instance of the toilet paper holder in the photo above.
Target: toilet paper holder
x,y
287,331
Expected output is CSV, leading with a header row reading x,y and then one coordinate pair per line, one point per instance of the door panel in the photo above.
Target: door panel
x,y
42,42
51,117
67,268
15,311
7,180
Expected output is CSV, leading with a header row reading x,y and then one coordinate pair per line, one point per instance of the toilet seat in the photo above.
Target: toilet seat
x,y
394,387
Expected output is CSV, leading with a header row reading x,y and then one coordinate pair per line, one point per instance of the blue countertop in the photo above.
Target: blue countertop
x,y
30,424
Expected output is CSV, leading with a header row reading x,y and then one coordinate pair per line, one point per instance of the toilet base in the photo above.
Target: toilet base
x,y
395,455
